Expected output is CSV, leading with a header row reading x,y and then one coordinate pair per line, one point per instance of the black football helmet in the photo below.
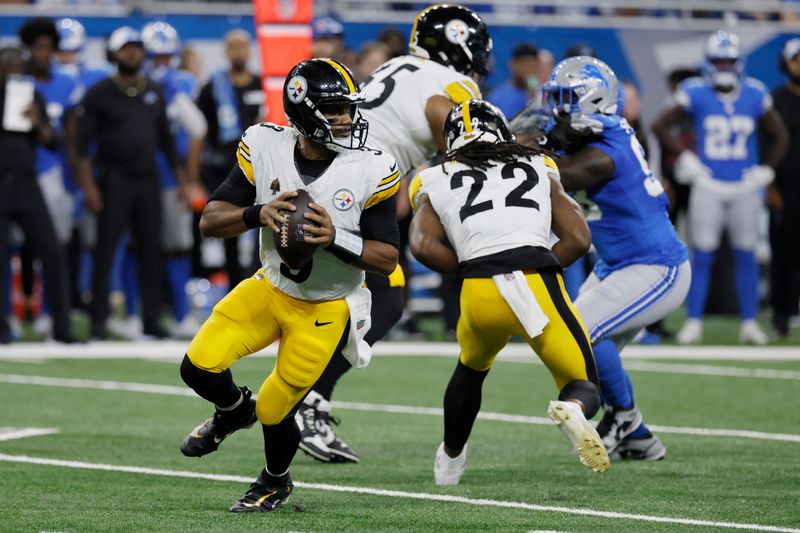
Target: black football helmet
x,y
475,120
314,85
454,36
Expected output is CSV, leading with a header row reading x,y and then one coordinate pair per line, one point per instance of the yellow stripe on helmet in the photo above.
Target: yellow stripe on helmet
x,y
343,71
416,22
467,118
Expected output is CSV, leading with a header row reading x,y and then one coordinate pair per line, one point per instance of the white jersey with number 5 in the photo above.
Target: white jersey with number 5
x,y
486,212
397,93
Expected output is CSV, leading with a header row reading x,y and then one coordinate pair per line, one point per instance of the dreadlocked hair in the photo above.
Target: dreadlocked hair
x,y
479,154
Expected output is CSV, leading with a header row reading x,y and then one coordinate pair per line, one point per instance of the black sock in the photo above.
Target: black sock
x,y
217,388
462,401
280,445
336,368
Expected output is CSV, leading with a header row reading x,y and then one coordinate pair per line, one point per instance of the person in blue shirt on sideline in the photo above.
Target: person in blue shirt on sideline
x,y
727,174
188,126
522,86
61,93
643,272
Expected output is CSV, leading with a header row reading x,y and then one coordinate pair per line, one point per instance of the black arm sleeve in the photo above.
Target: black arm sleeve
x,y
379,223
236,189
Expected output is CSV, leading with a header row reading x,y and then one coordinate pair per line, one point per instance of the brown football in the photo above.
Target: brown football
x,y
294,251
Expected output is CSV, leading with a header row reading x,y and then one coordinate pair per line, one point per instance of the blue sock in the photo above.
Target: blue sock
x,y
179,270
701,280
746,283
642,430
130,284
85,271
574,276
115,284
613,379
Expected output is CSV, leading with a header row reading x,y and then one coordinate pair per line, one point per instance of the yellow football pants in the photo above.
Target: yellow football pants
x,y
251,317
487,323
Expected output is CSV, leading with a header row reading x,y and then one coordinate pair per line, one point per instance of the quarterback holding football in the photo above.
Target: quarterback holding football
x,y
325,205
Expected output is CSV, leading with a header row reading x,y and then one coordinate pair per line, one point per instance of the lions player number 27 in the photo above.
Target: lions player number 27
x,y
514,198
726,137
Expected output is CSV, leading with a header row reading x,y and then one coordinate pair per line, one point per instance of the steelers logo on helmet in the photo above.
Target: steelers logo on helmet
x,y
296,89
456,31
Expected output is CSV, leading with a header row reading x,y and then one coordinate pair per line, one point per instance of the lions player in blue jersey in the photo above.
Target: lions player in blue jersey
x,y
727,174
70,56
643,271
162,45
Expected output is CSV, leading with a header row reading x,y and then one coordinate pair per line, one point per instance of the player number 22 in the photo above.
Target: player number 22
x,y
513,199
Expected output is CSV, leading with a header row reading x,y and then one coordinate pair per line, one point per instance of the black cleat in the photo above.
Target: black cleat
x,y
207,437
340,451
617,424
264,496
646,448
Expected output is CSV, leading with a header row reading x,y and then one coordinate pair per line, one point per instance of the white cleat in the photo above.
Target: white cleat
x,y
691,332
568,416
186,328
43,325
750,333
129,328
447,471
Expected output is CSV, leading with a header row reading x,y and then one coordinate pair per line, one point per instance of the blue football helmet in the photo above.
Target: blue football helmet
x,y
723,66
71,35
581,91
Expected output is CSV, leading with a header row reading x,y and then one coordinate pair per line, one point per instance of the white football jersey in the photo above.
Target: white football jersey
x,y
396,96
487,212
354,181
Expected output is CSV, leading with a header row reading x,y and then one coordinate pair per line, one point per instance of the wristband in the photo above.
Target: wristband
x,y
346,246
252,216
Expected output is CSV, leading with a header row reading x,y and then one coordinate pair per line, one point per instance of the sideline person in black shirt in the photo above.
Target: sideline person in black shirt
x,y
125,117
21,201
783,199
231,101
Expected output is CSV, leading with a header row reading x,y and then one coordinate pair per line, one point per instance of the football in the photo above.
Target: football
x,y
289,241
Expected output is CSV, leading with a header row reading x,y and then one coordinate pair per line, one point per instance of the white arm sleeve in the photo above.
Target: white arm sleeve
x,y
190,117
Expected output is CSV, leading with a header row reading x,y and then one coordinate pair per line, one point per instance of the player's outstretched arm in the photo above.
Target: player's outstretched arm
x,y
585,168
427,239
569,225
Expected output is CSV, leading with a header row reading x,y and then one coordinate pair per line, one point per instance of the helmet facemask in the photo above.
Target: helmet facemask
x,y
335,136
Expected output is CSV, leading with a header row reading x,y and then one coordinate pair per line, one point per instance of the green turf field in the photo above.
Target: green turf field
x,y
706,478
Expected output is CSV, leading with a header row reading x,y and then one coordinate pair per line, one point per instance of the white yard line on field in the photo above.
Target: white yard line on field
x,y
480,502
21,433
160,350
149,388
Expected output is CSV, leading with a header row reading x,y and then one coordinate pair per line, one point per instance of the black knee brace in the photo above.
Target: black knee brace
x,y
585,392
217,388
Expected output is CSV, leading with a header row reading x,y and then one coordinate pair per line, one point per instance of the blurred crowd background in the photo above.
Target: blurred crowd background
x,y
206,56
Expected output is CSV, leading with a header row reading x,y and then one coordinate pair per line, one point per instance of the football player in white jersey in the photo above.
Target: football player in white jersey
x,y
316,310
496,202
407,100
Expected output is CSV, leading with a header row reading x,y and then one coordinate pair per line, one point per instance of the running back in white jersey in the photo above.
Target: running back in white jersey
x,y
488,212
397,93
356,180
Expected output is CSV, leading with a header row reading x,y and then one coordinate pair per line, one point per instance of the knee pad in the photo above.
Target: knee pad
x,y
276,401
584,391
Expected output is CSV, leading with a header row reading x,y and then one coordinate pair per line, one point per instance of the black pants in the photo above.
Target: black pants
x,y
784,229
135,203
21,201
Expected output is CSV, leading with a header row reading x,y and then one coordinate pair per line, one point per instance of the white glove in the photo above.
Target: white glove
x,y
689,168
758,176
